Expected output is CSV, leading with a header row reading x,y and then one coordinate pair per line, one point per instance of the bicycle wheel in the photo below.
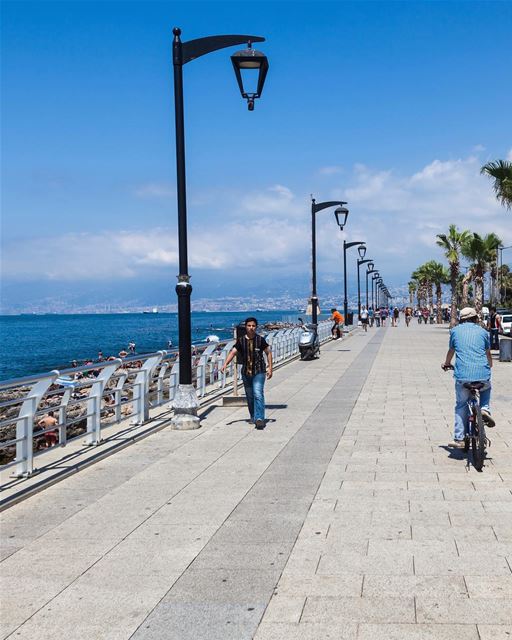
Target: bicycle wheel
x,y
478,440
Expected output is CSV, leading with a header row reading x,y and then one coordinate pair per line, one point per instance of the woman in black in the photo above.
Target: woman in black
x,y
250,349
494,325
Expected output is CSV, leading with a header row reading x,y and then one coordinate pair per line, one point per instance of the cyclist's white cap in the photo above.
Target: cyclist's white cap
x,y
467,313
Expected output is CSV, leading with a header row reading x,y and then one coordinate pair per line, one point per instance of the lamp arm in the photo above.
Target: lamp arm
x,y
201,46
363,261
323,205
352,244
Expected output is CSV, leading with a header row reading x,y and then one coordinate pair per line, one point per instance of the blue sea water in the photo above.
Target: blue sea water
x,y
37,343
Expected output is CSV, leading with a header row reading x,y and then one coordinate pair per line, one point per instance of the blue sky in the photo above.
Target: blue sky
x,y
392,106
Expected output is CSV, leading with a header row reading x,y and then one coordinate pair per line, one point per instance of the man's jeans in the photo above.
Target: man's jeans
x,y
495,341
462,396
254,393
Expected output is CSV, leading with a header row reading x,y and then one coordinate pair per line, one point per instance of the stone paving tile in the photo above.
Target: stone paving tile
x,y
409,586
306,631
459,610
418,632
495,631
345,609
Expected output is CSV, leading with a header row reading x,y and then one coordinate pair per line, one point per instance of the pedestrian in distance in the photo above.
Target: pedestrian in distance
x,y
363,316
47,422
470,344
494,328
250,349
396,316
408,315
338,320
371,316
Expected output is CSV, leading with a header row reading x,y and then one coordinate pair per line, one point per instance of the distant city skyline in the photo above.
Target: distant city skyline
x,y
393,107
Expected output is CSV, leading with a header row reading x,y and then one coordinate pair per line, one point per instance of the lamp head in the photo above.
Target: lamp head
x,y
248,61
361,249
341,215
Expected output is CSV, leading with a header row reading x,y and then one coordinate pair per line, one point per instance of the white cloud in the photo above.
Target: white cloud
x,y
398,215
155,190
509,155
330,171
276,199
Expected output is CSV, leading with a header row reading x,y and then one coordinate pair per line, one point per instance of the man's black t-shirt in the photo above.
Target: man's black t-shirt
x,y
250,354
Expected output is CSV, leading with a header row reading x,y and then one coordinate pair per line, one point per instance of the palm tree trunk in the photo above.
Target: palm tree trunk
x,y
454,274
439,294
479,292
465,288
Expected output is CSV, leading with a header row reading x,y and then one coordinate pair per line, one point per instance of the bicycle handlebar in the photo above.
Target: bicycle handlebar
x,y
447,367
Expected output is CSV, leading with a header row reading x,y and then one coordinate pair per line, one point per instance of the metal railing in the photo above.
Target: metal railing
x,y
86,400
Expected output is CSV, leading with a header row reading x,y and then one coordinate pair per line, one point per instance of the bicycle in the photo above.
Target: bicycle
x,y
474,430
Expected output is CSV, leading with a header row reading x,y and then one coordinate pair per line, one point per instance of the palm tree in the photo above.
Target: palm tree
x,y
438,275
481,251
452,243
421,278
412,290
501,172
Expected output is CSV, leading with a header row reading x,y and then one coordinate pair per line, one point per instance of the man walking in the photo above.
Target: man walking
x,y
470,344
363,316
250,349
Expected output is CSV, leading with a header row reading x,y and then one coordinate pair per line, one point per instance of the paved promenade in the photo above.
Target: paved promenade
x,y
347,518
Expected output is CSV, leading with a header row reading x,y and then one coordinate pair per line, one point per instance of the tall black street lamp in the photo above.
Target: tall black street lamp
x,y
362,250
341,214
375,280
375,275
185,403
369,270
359,263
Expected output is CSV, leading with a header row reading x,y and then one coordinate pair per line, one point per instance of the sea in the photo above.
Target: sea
x,y
31,344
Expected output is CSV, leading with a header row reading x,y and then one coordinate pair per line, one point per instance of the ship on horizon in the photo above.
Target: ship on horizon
x,y
153,310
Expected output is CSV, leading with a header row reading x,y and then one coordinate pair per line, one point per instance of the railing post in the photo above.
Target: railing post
x,y
201,369
93,433
174,379
141,388
63,414
25,426
160,383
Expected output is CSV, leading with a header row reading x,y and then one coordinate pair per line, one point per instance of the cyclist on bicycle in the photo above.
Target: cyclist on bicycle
x,y
470,344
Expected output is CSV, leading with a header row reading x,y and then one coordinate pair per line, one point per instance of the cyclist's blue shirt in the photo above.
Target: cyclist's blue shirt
x,y
470,342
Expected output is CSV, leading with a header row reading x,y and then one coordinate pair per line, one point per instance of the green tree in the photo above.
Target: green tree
x,y
413,285
481,251
501,172
452,243
437,275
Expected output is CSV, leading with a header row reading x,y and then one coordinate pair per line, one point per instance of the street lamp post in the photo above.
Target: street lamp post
x,y
341,214
362,251
359,263
375,275
185,403
368,271
347,245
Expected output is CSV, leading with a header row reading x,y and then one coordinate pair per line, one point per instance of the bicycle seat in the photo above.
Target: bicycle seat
x,y
477,385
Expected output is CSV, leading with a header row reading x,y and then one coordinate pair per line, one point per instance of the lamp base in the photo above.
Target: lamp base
x,y
185,406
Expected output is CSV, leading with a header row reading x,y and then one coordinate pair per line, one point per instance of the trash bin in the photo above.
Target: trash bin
x,y
505,349
350,318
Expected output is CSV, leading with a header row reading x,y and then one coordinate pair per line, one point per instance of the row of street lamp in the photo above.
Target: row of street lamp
x,y
381,296
246,63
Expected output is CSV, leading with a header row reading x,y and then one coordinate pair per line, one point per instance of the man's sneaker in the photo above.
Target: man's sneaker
x,y
456,444
488,419
260,424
